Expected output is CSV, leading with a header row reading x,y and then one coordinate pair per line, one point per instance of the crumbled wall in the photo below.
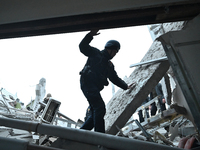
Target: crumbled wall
x,y
124,103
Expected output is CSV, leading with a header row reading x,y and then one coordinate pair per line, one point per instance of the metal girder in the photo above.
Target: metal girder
x,y
178,11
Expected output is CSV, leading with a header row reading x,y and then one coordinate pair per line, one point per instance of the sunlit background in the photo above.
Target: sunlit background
x,y
24,61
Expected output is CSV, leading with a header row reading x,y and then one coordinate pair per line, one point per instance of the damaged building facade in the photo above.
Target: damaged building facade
x,y
172,58
146,76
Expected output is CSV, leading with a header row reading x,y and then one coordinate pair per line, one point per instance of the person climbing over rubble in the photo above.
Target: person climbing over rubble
x,y
94,75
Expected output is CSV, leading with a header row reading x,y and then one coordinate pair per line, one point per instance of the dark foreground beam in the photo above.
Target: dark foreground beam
x,y
103,20
82,136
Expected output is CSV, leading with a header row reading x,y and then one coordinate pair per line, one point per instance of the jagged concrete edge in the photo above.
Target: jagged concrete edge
x,y
155,51
139,97
171,26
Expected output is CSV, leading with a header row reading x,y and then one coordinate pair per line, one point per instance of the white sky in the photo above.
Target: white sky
x,y
24,61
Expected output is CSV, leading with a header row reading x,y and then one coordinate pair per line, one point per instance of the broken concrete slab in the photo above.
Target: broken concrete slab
x,y
124,103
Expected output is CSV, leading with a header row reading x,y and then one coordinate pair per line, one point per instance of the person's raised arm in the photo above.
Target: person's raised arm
x,y
84,46
94,32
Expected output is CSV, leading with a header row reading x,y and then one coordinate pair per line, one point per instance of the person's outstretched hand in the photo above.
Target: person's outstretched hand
x,y
132,85
94,32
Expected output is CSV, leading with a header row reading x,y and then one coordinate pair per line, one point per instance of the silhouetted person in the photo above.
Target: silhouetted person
x,y
94,75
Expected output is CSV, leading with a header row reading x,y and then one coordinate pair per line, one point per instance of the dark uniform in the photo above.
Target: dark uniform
x,y
160,94
93,79
140,114
153,94
157,91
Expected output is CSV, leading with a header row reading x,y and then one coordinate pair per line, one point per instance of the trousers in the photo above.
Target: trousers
x,y
97,108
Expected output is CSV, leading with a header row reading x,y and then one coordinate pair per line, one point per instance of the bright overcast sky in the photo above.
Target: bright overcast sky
x,y
24,61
